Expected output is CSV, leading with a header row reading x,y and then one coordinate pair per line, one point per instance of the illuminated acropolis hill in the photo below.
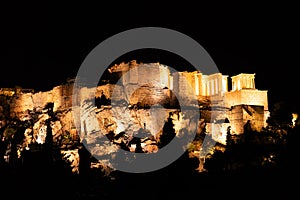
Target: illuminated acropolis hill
x,y
153,83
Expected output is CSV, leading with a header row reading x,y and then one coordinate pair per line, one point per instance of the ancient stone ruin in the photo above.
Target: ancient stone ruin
x,y
136,102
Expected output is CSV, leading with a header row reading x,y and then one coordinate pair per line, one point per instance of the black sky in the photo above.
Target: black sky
x,y
43,45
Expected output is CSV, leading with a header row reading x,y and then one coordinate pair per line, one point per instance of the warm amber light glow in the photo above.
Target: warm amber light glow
x,y
294,118
142,99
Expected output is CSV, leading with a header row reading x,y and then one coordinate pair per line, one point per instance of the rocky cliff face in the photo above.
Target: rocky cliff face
x,y
35,116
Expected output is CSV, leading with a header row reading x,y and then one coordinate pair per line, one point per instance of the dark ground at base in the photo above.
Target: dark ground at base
x,y
162,184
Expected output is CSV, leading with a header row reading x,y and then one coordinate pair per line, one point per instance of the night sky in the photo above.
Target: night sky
x,y
43,45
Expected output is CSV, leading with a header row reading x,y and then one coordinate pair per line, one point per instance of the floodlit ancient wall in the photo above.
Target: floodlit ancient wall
x,y
21,103
239,115
147,84
184,84
247,97
200,85
214,84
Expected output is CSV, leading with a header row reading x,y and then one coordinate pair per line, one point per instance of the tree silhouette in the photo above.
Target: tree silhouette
x,y
229,149
229,140
280,114
168,132
215,163
84,159
3,146
49,136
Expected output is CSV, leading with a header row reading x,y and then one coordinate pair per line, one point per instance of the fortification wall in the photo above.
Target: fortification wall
x,y
247,97
240,114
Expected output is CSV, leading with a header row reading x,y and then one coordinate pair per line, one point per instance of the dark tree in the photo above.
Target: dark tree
x,y
84,160
280,114
168,132
49,136
229,140
138,148
215,163
16,139
247,132
3,146
228,154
